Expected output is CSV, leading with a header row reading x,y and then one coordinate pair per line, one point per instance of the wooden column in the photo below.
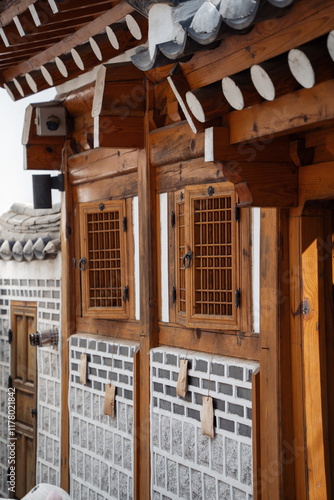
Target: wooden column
x,y
270,387
68,319
314,356
148,314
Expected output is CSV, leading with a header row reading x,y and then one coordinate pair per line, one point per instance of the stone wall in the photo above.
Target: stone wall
x,y
101,447
185,464
37,282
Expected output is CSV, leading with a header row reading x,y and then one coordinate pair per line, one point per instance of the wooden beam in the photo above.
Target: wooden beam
x,y
175,143
100,163
305,21
113,15
316,182
314,343
17,8
118,131
270,390
290,113
208,102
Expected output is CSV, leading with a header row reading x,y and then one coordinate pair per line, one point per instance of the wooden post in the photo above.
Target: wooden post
x,y
68,320
148,314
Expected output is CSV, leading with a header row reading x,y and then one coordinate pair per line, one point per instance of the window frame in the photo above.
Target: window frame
x,y
103,312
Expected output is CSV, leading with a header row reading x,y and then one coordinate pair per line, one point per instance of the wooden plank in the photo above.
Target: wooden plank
x,y
290,113
297,375
314,343
118,187
245,255
83,132
240,345
181,174
39,157
16,9
82,35
171,255
118,132
68,324
305,21
316,182
128,330
175,143
100,163
270,390
256,434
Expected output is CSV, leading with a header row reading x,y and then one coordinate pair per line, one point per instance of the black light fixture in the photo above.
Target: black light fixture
x,y
42,185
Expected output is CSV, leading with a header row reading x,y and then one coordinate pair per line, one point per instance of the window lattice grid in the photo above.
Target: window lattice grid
x,y
181,252
213,258
104,258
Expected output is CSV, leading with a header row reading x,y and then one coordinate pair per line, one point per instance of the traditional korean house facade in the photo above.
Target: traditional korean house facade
x,y
193,144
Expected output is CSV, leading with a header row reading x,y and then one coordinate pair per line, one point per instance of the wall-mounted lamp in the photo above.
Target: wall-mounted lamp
x,y
42,185
48,337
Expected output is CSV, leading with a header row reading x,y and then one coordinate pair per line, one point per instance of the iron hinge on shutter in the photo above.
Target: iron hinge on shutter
x,y
174,295
237,298
236,213
172,218
10,336
10,382
125,224
126,293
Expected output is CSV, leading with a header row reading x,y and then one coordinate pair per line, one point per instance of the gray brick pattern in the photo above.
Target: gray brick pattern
x,y
101,448
185,464
47,293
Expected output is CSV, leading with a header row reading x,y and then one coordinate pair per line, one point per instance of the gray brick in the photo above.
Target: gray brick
x,y
218,404
244,430
203,456
128,394
97,386
83,434
96,359
178,409
83,343
165,433
231,458
238,494
104,477
172,476
113,482
99,440
246,464
102,347
224,491
118,364
163,373
184,481
88,468
249,413
171,359
96,473
201,365
165,405
106,361
91,437
158,357
128,366
205,385
244,393
124,379
193,414
124,350
155,429
103,373
196,485
236,372
160,467
226,425
118,449
210,492
218,369
189,441
194,381
92,345
236,409
170,391
80,464
127,454
108,446
121,417
177,437
217,449
87,404
113,348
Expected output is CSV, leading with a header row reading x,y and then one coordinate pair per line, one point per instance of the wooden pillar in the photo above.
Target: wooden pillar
x,y
148,314
68,319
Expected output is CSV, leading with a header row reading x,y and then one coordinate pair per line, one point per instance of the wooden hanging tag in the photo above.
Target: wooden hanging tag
x,y
207,417
182,381
83,369
109,400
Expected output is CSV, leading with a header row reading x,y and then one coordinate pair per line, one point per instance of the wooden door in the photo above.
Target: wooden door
x,y
24,379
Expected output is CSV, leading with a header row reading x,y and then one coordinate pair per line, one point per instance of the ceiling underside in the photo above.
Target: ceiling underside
x,y
47,42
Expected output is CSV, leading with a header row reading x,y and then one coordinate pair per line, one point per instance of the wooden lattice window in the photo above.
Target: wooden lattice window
x,y
207,256
103,259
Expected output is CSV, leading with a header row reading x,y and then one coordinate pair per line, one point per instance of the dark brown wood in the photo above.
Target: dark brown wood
x,y
283,116
118,132
315,183
41,157
270,388
80,101
208,102
100,163
175,143
239,91
83,132
256,434
123,186
245,346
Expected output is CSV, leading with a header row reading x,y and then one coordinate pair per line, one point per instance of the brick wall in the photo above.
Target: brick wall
x,y
185,464
101,447
38,282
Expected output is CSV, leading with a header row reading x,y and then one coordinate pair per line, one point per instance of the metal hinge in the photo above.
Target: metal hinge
x,y
237,298
126,293
10,336
10,382
236,213
174,295
125,224
172,218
